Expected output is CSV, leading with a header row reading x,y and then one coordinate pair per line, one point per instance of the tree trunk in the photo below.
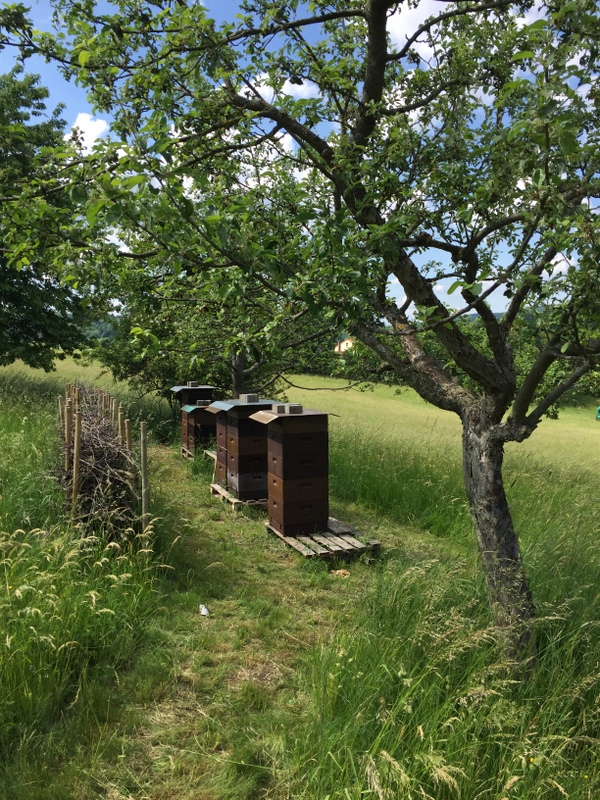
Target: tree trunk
x,y
508,592
237,374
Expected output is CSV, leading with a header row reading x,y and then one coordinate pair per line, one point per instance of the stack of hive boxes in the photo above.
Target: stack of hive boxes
x,y
192,392
241,447
197,425
298,468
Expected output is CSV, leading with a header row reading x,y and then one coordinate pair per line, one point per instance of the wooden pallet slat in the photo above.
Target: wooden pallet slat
x,y
340,541
217,489
329,544
335,526
311,541
351,540
303,549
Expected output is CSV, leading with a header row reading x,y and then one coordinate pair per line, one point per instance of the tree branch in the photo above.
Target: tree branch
x,y
526,287
457,12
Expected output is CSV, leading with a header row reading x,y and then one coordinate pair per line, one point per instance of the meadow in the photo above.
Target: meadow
x,y
389,682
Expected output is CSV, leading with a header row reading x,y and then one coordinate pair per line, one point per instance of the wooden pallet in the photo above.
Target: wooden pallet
x,y
339,541
217,489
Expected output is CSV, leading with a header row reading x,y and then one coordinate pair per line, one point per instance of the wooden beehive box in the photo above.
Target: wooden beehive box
x,y
241,463
297,468
189,394
197,427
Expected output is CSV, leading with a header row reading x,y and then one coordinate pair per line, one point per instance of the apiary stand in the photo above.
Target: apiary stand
x,y
338,541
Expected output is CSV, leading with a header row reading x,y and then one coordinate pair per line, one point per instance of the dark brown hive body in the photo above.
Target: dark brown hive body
x,y
298,469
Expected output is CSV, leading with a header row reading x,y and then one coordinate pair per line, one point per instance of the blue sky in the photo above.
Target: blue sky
x,y
73,96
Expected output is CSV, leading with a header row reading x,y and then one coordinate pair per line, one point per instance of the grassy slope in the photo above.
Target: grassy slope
x,y
572,440
212,707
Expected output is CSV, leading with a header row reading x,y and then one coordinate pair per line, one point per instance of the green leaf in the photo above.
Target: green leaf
x,y
133,180
523,54
225,290
93,210
568,142
83,57
538,25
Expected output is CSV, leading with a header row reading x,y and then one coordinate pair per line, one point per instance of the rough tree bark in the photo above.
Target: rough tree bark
x,y
508,591
237,374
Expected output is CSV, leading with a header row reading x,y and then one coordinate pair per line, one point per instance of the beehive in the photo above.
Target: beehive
x,y
241,463
297,468
197,426
189,394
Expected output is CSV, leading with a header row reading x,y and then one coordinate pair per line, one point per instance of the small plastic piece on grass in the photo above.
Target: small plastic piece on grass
x,y
204,612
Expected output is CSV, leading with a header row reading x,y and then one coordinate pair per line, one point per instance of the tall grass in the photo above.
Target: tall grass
x,y
72,609
29,446
417,483
417,701
401,480
68,607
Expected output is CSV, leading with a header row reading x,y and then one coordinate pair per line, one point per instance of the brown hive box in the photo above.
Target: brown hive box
x,y
298,518
197,426
189,394
298,468
242,443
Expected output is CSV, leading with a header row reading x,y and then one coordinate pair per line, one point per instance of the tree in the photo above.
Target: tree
x,y
427,142
168,336
40,319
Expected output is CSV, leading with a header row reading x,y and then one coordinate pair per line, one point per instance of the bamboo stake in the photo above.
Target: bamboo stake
x,y
144,470
68,432
128,434
114,411
76,457
61,411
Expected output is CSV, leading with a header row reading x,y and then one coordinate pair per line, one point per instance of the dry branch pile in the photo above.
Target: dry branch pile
x,y
99,468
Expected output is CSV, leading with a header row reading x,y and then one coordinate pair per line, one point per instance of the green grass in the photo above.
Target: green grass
x,y
388,683
416,700
73,610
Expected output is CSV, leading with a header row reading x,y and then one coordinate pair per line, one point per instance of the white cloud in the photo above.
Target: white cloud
x,y
89,129
288,143
407,20
261,86
532,15
303,91
560,264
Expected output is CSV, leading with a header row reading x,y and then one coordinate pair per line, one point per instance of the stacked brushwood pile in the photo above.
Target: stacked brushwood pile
x,y
99,467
